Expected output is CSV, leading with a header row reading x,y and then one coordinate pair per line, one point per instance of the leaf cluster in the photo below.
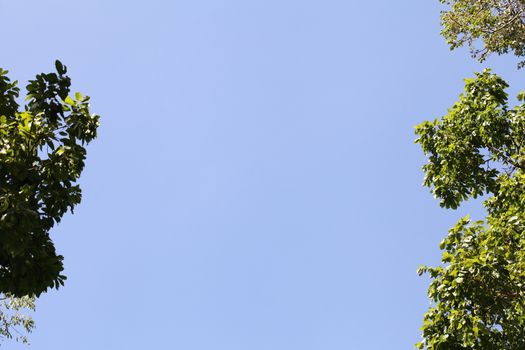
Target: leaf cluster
x,y
498,24
478,293
14,322
42,153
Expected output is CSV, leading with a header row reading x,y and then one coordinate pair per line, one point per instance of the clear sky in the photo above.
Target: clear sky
x,y
255,185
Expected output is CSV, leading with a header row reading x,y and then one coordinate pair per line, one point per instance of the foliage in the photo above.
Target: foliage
x,y
11,317
498,24
42,155
478,148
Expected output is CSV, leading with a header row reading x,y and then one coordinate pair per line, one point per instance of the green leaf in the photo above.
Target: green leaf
x,y
61,69
70,101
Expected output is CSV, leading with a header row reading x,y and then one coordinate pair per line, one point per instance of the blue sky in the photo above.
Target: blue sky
x,y
255,184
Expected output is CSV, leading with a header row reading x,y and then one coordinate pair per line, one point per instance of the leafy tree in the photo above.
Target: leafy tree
x,y
42,153
12,318
498,24
478,292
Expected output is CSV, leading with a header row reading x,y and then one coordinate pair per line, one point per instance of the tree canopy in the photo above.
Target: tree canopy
x,y
478,292
42,154
498,25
